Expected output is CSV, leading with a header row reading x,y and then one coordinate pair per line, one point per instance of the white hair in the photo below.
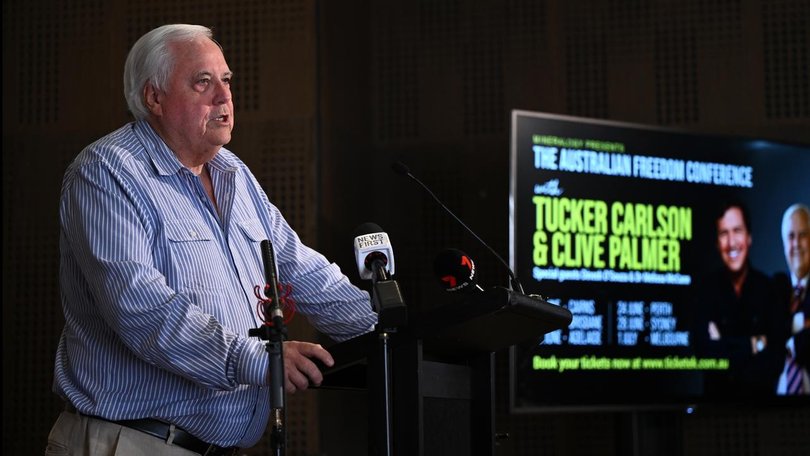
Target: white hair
x,y
150,61
798,207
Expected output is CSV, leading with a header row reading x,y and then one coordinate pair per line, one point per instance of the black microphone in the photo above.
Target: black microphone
x,y
275,349
455,271
373,252
271,280
401,168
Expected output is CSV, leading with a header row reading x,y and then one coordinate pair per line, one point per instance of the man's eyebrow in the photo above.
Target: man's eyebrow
x,y
227,74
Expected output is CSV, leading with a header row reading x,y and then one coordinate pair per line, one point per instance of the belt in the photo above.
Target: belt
x,y
165,431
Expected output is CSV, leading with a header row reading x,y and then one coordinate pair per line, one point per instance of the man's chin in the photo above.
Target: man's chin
x,y
800,269
221,140
736,269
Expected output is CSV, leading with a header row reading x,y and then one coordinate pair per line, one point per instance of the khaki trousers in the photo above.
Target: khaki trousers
x,y
79,435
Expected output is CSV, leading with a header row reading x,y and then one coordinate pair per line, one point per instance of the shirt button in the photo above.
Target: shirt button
x,y
192,233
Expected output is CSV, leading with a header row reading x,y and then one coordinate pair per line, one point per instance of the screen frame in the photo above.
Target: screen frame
x,y
619,405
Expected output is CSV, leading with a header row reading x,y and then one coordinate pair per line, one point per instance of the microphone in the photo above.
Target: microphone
x,y
373,252
401,168
455,271
375,261
275,347
271,280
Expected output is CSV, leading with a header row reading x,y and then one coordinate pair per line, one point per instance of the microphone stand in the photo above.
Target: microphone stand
x,y
387,300
274,335
274,332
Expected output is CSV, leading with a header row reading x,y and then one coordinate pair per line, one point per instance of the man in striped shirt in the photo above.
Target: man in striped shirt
x,y
794,378
160,233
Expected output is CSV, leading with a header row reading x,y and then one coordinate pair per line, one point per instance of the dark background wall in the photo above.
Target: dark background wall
x,y
329,93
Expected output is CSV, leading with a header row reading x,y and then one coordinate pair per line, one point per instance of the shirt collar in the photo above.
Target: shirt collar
x,y
164,160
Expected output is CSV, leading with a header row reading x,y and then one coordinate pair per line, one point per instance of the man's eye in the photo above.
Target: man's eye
x,y
226,81
203,81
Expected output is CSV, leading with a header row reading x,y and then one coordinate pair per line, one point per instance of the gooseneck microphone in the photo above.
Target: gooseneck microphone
x,y
455,271
401,168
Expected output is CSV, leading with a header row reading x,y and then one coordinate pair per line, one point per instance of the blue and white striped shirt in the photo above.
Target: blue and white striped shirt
x,y
157,289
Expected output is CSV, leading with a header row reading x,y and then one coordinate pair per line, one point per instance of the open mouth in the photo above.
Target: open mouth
x,y
222,118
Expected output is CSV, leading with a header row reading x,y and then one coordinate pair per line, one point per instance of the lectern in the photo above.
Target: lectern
x,y
442,371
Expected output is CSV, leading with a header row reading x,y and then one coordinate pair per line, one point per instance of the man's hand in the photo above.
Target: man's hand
x,y
299,370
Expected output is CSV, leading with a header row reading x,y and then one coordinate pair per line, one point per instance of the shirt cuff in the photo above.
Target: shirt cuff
x,y
251,364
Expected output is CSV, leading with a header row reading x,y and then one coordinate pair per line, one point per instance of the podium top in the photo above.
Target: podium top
x,y
479,323
488,321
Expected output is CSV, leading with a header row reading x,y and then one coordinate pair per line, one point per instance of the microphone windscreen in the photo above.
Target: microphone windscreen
x,y
269,261
401,168
367,228
455,270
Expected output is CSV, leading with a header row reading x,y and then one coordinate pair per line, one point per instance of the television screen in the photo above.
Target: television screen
x,y
671,252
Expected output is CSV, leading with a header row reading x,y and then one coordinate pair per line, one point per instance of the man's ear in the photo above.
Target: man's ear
x,y
152,98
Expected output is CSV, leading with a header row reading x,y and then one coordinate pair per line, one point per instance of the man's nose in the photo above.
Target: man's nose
x,y
222,94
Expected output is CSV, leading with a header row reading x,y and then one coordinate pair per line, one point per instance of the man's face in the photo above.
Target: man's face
x,y
796,239
195,113
733,239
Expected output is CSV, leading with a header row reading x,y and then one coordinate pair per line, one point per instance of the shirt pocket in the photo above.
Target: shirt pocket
x,y
252,229
253,234
197,259
188,231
